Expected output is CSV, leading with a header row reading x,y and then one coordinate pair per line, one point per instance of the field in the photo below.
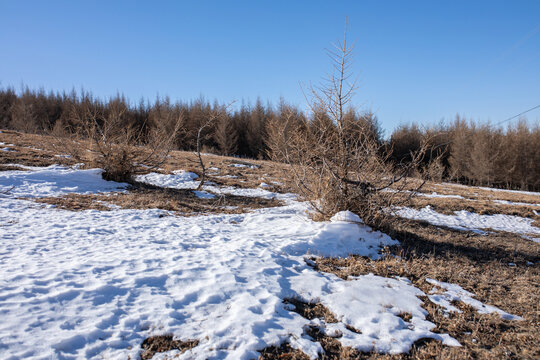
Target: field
x,y
239,270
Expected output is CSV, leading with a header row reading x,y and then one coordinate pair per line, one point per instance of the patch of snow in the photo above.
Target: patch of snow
x,y
179,179
264,185
505,202
435,195
244,166
455,292
535,239
7,149
63,156
432,195
510,191
204,195
465,220
381,301
185,180
446,184
55,180
346,216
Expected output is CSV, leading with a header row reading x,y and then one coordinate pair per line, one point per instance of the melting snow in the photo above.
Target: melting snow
x,y
465,220
55,180
93,284
457,293
186,180
506,202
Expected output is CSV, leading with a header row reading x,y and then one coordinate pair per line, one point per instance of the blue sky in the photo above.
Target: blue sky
x,y
419,61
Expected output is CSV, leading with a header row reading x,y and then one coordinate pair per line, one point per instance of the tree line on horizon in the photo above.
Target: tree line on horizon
x,y
463,150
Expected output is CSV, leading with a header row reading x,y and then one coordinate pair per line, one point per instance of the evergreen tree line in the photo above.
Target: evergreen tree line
x,y
463,151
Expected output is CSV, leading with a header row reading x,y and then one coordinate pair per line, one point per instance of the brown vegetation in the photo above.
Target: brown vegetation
x,y
337,159
163,343
463,151
479,264
183,202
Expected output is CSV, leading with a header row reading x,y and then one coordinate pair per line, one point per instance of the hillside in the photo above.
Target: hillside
x,y
239,270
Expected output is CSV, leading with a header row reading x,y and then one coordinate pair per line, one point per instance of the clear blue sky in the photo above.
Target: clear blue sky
x,y
416,60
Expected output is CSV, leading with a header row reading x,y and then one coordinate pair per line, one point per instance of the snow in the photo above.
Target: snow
x,y
382,300
178,180
204,195
455,292
93,284
506,202
346,216
244,166
436,195
432,195
465,220
186,180
55,180
446,184
7,149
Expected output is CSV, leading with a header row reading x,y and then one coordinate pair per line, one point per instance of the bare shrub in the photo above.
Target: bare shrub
x,y
338,162
109,141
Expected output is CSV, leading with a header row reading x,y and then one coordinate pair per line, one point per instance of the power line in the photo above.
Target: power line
x,y
515,116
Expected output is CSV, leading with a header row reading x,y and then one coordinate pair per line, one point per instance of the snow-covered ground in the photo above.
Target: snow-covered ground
x,y
465,220
94,284
188,180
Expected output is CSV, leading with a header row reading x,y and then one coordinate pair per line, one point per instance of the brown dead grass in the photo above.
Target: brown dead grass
x,y
163,343
480,265
477,193
41,150
29,150
184,202
450,205
311,310
282,352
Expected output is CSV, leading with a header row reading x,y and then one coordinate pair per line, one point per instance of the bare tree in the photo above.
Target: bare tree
x,y
216,114
226,135
336,162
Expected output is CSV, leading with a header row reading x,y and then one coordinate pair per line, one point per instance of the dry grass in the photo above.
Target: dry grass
x,y
311,310
478,193
30,150
41,150
184,202
163,343
478,263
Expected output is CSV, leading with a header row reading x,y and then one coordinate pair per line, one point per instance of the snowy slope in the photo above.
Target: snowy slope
x,y
94,284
